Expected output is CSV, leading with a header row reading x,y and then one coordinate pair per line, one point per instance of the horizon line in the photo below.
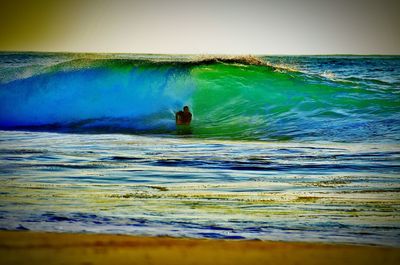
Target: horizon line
x,y
213,54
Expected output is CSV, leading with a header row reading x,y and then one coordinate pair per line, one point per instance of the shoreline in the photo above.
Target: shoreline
x,y
27,247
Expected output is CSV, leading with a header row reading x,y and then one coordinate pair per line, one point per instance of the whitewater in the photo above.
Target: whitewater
x,y
291,148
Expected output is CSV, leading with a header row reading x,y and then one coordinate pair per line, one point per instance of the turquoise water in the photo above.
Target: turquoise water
x,y
277,98
281,148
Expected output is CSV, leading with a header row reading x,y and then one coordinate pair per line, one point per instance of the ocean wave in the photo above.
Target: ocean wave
x,y
233,97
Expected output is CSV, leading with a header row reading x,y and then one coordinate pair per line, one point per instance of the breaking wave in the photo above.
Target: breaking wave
x,y
243,97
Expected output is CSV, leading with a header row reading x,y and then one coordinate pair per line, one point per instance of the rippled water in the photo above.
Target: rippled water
x,y
293,148
188,187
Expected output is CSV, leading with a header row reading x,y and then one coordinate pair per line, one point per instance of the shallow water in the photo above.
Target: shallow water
x,y
187,187
293,148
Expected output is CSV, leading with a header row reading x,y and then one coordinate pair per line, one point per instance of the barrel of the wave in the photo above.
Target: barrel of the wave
x,y
183,119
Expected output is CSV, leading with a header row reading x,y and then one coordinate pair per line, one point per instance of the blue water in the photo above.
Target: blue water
x,y
282,148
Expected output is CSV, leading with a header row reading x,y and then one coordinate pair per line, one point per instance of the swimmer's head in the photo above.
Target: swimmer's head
x,y
185,108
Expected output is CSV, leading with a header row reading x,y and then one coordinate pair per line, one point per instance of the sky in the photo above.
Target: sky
x,y
202,27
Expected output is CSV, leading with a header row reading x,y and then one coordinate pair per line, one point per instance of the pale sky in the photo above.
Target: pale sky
x,y
202,27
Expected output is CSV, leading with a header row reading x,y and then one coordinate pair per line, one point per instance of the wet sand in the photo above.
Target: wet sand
x,y
22,247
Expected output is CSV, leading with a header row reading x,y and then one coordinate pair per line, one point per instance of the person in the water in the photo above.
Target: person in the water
x,y
183,117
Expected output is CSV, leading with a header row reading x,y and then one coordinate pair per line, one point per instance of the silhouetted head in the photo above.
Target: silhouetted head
x,y
186,109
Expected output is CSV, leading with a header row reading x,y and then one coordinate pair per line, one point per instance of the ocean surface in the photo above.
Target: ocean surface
x,y
285,148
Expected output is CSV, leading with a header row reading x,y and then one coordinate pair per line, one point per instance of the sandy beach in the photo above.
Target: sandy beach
x,y
63,248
